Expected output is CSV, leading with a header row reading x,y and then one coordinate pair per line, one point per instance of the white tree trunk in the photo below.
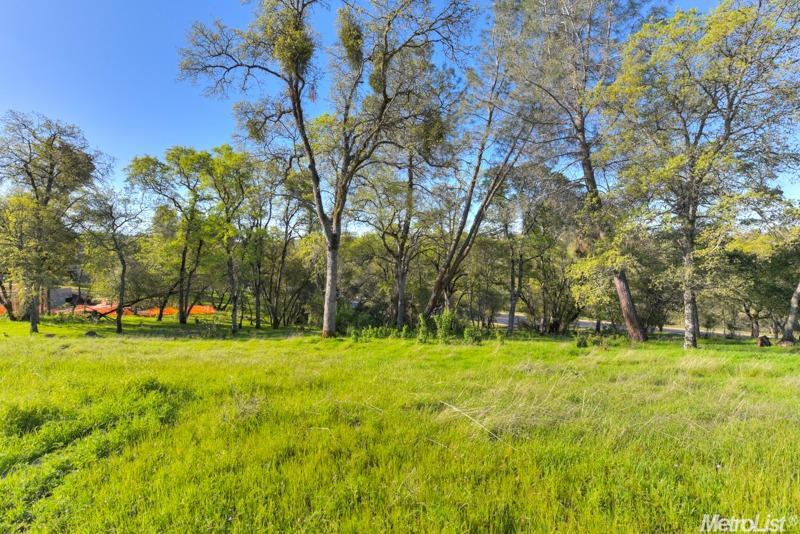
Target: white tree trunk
x,y
690,325
791,322
331,277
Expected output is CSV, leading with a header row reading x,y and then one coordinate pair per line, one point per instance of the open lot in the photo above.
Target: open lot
x,y
162,431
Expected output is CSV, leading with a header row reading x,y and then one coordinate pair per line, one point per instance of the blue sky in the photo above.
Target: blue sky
x,y
111,67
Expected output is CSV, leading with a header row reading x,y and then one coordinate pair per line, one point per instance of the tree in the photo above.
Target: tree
x,y
497,135
563,52
229,179
381,49
178,182
111,218
706,103
46,164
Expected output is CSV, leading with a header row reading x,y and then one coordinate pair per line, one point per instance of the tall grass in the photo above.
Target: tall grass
x,y
172,431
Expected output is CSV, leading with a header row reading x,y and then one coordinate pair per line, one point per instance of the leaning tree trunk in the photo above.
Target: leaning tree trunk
x,y
331,276
633,325
5,300
791,322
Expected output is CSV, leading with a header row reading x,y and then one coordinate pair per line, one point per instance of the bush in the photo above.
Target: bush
x,y
377,332
445,325
473,335
423,332
595,340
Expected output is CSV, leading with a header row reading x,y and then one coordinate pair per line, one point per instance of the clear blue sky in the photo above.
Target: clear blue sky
x,y
111,67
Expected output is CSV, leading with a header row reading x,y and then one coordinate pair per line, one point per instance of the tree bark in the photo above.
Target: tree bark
x,y
257,300
402,258
331,276
34,312
690,326
755,327
791,322
5,300
121,296
161,306
400,289
517,270
182,296
633,325
233,286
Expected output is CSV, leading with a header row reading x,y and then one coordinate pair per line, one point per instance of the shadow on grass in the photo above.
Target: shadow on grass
x,y
196,328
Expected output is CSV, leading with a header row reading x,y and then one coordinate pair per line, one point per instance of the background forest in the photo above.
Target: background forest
x,y
605,160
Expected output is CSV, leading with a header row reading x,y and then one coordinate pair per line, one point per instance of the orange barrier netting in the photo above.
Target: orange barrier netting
x,y
196,310
110,309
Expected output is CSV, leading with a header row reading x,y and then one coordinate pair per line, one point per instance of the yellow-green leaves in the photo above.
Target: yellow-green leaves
x,y
285,31
351,38
430,131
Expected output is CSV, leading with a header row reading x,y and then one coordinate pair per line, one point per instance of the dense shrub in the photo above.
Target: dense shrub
x,y
423,332
446,326
473,335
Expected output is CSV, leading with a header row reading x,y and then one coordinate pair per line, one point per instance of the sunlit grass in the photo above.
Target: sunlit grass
x,y
176,432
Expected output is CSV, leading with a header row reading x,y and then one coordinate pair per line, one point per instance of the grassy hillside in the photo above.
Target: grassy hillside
x,y
170,433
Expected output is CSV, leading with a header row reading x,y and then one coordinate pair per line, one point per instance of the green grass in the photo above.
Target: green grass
x,y
163,430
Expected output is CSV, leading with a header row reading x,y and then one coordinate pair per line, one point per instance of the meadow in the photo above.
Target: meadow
x,y
168,429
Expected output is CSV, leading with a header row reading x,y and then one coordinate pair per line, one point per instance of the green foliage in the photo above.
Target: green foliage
x,y
473,335
446,325
423,331
351,38
377,77
430,132
405,332
286,31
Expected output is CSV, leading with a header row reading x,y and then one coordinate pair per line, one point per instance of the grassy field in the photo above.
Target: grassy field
x,y
160,431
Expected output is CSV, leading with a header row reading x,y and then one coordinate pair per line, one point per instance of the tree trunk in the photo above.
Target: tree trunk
x,y
632,323
755,327
34,311
161,306
791,322
257,303
690,326
516,282
598,326
182,296
232,285
121,297
5,300
400,288
331,276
